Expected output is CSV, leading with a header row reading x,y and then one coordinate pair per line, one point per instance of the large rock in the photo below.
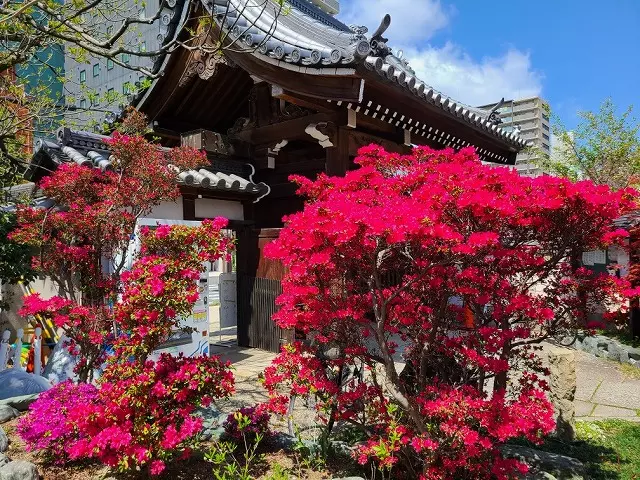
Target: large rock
x,y
7,413
562,364
3,460
4,441
19,470
15,382
61,363
540,463
20,403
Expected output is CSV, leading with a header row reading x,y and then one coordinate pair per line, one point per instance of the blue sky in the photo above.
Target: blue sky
x,y
574,53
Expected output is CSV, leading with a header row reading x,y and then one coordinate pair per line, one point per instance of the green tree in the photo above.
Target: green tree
x,y
604,148
15,258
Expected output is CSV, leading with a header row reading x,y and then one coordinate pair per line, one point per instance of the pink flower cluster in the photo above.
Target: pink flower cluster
x,y
48,426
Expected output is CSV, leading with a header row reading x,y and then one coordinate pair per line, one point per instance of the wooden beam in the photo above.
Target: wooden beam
x,y
302,100
288,129
338,156
358,140
346,87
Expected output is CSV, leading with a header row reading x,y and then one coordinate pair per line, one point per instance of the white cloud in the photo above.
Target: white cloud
x,y
449,68
411,20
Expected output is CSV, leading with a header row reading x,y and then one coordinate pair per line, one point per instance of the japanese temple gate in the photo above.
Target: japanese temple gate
x,y
295,92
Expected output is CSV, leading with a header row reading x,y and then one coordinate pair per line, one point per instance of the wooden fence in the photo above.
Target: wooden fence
x,y
256,306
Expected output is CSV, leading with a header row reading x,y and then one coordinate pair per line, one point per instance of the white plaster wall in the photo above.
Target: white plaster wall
x,y
210,208
205,208
168,210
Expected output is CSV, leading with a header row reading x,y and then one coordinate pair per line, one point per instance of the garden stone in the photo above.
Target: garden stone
x,y
634,354
342,448
283,441
4,441
20,403
539,476
566,468
19,470
563,382
7,413
3,460
15,382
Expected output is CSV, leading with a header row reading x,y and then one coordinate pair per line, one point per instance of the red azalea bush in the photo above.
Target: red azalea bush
x,y
455,269
246,424
83,241
49,427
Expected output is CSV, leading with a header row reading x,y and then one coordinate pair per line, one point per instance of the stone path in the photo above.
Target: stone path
x,y
604,391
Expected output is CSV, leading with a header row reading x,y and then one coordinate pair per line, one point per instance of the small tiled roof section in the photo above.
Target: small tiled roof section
x,y
90,150
308,40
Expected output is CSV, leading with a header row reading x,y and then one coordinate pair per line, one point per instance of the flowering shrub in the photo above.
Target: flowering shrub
x,y
247,424
49,427
80,241
457,269
144,416
141,412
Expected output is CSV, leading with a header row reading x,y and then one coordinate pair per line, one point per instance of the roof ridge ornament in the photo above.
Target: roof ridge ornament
x,y
378,42
494,116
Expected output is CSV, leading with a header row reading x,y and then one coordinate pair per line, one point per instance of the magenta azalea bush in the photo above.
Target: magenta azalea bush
x,y
48,427
249,422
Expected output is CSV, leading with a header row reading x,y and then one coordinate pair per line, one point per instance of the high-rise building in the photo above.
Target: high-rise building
x,y
100,86
530,117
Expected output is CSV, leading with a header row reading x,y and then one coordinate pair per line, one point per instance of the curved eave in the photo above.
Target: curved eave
x,y
414,89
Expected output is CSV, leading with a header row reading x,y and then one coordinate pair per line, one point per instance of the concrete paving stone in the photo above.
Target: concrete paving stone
x,y
619,394
583,408
600,419
612,412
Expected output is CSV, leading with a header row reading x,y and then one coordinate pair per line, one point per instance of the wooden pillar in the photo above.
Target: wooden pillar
x,y
188,207
338,156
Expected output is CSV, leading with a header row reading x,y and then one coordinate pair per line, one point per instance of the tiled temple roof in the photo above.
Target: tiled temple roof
x,y
305,40
90,150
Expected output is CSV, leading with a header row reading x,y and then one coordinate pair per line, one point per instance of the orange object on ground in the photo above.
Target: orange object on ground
x,y
469,319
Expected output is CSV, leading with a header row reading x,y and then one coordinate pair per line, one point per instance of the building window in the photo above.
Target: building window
x,y
109,64
545,136
545,117
142,47
545,146
83,76
126,88
126,57
96,69
545,126
83,103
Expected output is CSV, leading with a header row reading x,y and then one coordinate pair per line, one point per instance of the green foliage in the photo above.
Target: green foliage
x,y
604,147
609,449
15,259
232,462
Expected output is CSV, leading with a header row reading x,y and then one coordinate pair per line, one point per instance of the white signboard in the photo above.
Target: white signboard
x,y
598,257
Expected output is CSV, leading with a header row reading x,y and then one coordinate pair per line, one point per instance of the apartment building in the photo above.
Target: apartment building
x,y
530,116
